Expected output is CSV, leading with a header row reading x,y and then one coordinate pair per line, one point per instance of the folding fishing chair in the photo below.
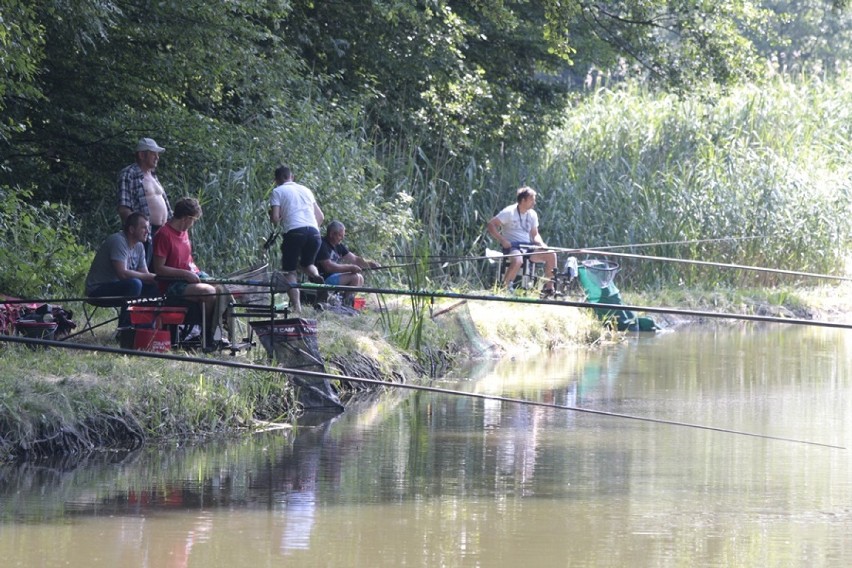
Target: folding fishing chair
x,y
527,273
90,309
91,306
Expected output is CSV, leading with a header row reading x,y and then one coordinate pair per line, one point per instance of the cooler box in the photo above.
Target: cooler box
x,y
156,316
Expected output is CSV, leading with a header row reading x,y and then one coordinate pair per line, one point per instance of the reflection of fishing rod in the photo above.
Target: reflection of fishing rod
x,y
376,382
697,262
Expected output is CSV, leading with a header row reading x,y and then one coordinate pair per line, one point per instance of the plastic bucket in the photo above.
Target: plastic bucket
x,y
158,340
358,303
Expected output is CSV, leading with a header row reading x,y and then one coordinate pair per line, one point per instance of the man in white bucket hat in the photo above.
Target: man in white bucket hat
x,y
139,190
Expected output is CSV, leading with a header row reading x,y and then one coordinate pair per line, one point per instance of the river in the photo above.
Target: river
x,y
424,479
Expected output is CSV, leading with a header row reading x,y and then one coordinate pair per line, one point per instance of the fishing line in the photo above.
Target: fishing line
x,y
698,262
529,301
687,242
575,304
423,388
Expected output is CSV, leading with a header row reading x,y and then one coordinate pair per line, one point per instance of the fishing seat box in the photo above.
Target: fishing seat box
x,y
152,326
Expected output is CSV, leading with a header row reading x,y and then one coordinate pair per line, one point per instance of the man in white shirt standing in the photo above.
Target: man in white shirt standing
x,y
140,191
517,225
294,208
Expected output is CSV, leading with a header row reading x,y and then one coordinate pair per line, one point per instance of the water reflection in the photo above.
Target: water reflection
x,y
424,479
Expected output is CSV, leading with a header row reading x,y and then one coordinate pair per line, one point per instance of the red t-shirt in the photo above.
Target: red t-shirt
x,y
174,246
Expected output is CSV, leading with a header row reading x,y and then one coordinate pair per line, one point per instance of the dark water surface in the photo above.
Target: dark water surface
x,y
432,480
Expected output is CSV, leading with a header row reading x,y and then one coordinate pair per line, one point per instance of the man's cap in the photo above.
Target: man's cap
x,y
148,145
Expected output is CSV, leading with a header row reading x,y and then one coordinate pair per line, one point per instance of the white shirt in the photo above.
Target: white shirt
x,y
296,203
516,226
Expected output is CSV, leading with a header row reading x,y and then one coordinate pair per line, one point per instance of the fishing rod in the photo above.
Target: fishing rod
x,y
422,388
130,300
686,242
490,255
697,262
270,240
575,304
276,288
609,247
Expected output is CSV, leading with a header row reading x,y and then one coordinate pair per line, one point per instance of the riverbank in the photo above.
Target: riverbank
x,y
70,402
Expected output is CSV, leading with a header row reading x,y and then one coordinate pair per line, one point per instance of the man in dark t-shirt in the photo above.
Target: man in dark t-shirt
x,y
337,264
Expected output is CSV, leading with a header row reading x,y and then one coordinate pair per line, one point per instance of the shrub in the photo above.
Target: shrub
x,y
40,254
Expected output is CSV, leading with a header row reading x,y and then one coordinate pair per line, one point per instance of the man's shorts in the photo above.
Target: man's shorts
x,y
177,288
334,279
516,245
299,247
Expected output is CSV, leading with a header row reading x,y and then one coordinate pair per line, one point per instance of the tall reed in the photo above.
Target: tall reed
x,y
631,166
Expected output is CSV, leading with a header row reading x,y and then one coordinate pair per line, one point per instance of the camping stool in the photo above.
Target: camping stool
x,y
91,307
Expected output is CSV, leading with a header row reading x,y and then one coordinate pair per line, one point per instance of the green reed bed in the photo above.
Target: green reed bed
x,y
53,403
631,166
635,167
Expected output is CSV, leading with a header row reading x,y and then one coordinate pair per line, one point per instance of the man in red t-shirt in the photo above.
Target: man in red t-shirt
x,y
180,277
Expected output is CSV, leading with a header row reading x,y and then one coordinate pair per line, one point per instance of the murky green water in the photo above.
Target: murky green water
x,y
432,480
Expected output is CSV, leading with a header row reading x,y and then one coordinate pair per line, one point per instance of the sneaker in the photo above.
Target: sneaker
x,y
193,333
550,293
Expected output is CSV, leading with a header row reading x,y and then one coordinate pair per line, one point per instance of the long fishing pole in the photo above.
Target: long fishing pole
x,y
575,304
536,301
609,247
685,242
698,262
424,388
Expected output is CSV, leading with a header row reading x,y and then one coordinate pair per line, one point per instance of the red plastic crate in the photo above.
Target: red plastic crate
x,y
156,315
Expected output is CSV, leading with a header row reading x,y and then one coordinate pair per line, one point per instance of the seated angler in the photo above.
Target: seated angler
x,y
515,226
337,264
119,269
179,276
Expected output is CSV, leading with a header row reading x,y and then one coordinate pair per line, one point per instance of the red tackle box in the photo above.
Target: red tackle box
x,y
156,316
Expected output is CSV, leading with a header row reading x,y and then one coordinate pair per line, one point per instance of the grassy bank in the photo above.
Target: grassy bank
x,y
58,401
54,401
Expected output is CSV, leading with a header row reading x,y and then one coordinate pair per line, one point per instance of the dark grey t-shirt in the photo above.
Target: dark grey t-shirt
x,y
114,248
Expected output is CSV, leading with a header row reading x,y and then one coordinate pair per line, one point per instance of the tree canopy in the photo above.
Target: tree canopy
x,y
239,85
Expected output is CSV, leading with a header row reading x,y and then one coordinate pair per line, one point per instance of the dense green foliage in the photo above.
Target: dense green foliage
x,y
632,166
40,253
407,117
772,162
